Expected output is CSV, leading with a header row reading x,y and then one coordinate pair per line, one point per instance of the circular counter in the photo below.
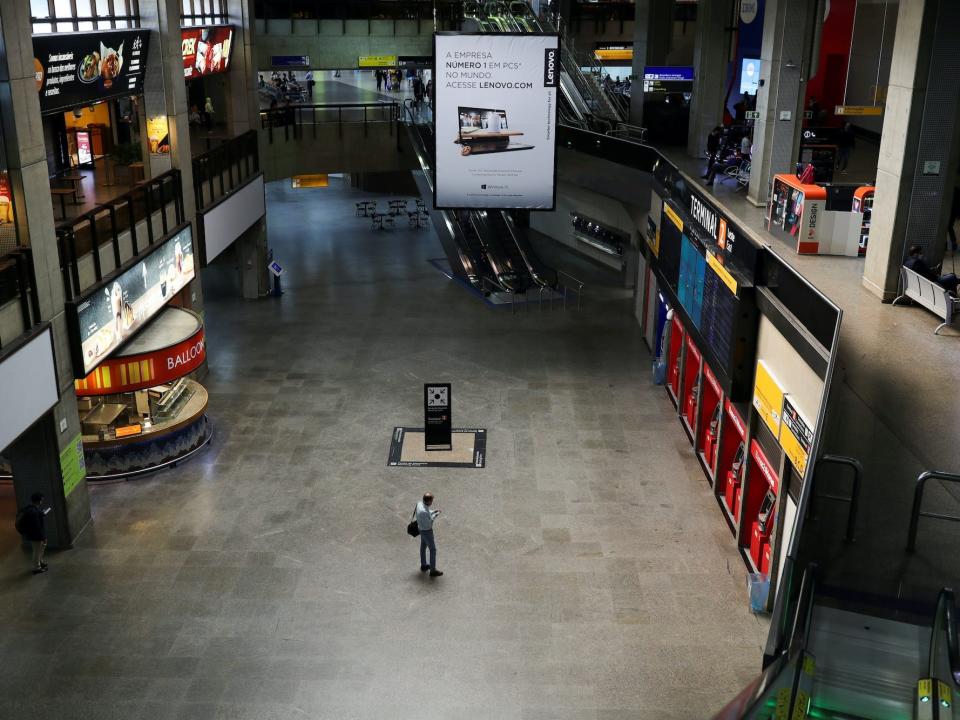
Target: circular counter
x,y
139,410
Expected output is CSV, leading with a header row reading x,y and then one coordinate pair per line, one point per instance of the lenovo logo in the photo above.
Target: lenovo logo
x,y
550,67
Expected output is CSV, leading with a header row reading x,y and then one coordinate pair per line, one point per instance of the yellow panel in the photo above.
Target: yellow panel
x,y
134,373
310,181
123,374
794,450
673,217
625,54
376,61
724,274
858,110
105,377
768,398
145,371
925,688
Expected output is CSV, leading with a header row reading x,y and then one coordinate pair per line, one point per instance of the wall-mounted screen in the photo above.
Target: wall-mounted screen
x,y
206,50
83,68
496,120
667,79
749,76
113,311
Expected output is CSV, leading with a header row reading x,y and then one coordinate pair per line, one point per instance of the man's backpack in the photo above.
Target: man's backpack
x,y
21,522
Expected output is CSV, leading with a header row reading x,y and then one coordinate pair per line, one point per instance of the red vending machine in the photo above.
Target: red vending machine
x,y
711,410
759,506
690,388
673,359
731,461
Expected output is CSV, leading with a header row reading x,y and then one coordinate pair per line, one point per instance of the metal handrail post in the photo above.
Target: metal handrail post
x,y
915,511
854,498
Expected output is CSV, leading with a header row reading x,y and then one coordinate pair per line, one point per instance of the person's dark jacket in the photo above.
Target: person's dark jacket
x,y
713,143
31,524
920,267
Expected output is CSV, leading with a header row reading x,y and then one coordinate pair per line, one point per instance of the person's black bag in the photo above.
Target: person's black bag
x,y
20,523
413,530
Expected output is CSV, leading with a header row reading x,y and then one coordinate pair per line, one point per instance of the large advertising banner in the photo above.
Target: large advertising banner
x,y
113,311
205,50
496,120
84,68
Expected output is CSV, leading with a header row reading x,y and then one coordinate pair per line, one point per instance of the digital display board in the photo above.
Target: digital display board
x,y
667,79
496,120
83,68
113,311
749,76
206,50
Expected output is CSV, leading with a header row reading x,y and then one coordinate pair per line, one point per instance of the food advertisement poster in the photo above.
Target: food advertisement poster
x,y
114,310
206,50
83,68
496,120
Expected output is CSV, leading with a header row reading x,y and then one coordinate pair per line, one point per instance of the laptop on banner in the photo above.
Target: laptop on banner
x,y
486,130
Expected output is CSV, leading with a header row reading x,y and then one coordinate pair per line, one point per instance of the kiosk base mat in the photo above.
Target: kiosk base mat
x,y
469,449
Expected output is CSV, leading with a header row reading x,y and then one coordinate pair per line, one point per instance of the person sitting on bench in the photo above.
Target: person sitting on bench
x,y
916,262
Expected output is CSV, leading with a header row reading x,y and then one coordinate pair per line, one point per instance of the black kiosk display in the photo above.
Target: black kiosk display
x,y
437,423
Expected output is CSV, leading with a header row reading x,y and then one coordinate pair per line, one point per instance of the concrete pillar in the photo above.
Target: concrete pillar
x,y
243,102
165,94
710,59
652,31
919,144
35,455
784,65
252,259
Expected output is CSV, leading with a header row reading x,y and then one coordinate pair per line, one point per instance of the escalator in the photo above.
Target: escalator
x,y
881,662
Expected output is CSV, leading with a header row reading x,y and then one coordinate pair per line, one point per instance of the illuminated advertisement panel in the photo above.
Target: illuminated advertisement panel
x,y
206,50
112,312
496,120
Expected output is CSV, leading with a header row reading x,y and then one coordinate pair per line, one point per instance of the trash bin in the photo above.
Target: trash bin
x,y
758,587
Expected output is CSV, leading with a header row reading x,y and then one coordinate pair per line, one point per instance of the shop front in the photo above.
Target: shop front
x,y
136,351
90,87
206,60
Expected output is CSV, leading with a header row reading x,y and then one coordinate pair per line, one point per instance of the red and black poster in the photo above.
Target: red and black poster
x,y
206,50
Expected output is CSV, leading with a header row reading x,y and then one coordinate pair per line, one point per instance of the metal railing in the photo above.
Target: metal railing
x,y
626,131
18,279
238,157
916,513
945,622
853,499
292,120
565,282
104,224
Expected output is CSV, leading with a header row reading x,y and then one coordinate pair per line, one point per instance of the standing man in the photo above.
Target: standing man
x,y
310,83
379,75
424,516
30,526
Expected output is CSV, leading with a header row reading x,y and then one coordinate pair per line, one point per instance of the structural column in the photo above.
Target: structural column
x,y
243,103
919,144
788,27
35,456
652,31
710,59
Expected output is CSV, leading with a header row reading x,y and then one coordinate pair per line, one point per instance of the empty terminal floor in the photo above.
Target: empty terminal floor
x,y
588,573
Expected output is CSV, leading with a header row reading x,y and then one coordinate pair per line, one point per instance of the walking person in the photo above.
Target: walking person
x,y
30,525
845,145
424,514
379,75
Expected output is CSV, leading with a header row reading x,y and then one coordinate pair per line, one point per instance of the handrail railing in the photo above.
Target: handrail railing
x,y
87,233
240,154
23,276
561,274
292,119
854,498
945,621
626,131
915,511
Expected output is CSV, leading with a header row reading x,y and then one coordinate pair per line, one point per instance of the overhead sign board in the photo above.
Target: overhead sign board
x,y
667,79
611,54
858,110
291,61
377,61
496,120
84,68
206,50
112,312
752,115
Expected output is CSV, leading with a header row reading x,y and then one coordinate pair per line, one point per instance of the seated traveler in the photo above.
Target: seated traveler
x,y
916,262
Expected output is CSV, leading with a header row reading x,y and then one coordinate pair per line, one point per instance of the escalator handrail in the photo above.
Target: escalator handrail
x,y
800,633
945,620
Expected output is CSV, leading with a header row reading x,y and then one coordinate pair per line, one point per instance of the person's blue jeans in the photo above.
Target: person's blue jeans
x,y
426,541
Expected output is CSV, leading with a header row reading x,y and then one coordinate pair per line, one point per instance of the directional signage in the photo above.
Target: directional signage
x,y
437,423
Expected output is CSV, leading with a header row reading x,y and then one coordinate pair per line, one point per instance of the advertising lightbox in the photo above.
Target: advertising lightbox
x,y
206,50
230,217
749,76
109,314
84,68
496,120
